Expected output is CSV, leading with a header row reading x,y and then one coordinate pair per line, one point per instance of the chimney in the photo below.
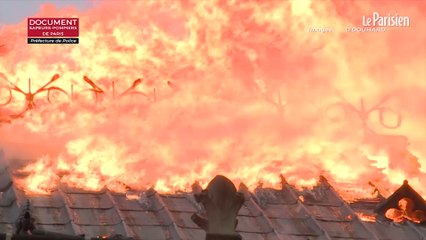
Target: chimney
x,y
222,204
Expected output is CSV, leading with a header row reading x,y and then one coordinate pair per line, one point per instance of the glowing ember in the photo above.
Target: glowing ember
x,y
242,89
405,211
366,218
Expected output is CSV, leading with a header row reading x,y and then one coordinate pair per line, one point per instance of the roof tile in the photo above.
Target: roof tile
x,y
50,215
152,232
87,200
178,204
95,217
141,218
295,226
393,231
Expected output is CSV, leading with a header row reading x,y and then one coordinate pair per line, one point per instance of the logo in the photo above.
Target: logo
x,y
385,21
379,23
53,30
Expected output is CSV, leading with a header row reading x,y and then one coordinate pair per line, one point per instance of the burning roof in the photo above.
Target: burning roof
x,y
287,213
196,88
160,94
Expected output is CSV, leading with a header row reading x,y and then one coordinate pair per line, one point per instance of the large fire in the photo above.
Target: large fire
x,y
240,88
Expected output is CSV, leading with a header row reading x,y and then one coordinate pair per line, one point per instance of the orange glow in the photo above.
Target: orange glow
x,y
238,88
366,218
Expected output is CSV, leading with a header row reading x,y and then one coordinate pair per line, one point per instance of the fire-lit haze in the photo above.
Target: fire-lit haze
x,y
239,88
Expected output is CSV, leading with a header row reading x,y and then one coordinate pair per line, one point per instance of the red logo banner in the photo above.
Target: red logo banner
x,y
53,27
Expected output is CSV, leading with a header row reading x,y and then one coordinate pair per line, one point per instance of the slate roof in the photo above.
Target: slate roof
x,y
267,214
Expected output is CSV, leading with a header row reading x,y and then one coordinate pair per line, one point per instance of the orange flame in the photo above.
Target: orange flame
x,y
242,89
366,218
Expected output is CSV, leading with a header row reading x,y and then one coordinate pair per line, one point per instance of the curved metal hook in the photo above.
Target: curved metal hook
x,y
382,112
9,100
55,89
131,90
95,89
363,112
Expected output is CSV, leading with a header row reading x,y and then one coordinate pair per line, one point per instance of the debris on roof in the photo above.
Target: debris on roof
x,y
404,204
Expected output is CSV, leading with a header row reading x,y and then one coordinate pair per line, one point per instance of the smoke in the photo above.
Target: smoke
x,y
241,89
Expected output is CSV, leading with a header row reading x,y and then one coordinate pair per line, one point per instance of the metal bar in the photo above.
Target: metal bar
x,y
127,229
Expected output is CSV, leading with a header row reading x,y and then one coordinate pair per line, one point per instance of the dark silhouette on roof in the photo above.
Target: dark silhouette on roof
x,y
222,204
